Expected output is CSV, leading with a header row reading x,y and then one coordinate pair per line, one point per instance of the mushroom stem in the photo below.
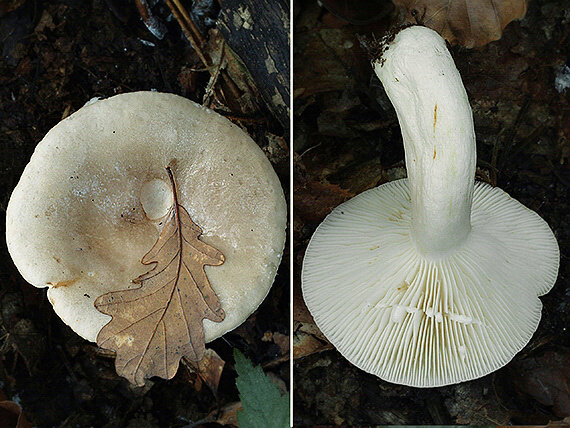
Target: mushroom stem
x,y
433,279
433,110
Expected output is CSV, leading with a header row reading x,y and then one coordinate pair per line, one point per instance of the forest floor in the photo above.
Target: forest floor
x,y
56,56
347,140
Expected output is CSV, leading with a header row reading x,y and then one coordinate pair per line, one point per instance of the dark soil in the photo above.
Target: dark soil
x,y
56,55
347,140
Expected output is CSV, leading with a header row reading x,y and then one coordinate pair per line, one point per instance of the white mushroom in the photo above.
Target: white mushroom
x,y
91,202
430,280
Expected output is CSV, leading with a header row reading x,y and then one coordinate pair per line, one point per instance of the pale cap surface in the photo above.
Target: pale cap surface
x,y
89,204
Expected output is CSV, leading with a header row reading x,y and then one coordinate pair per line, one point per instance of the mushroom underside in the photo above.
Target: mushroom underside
x,y
422,321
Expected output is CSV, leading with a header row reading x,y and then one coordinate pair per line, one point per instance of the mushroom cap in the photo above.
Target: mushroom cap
x,y
427,322
90,202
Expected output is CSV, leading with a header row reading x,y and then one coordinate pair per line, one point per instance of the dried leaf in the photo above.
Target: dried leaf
x,y
467,22
25,340
326,59
10,5
308,340
563,423
208,369
11,416
283,342
547,379
315,200
160,322
225,416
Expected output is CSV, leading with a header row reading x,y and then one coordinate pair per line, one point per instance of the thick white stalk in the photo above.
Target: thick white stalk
x,y
423,84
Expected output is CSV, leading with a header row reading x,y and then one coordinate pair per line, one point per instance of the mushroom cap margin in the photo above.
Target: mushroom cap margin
x,y
75,222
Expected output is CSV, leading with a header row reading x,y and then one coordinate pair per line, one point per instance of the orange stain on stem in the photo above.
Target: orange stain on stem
x,y
434,118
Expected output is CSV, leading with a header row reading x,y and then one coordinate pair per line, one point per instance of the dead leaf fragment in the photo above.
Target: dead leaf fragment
x,y
160,322
468,22
11,416
563,423
315,200
10,5
46,22
547,379
24,339
209,370
308,340
227,415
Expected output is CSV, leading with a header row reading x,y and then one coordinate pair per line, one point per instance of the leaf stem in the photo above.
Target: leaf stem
x,y
173,184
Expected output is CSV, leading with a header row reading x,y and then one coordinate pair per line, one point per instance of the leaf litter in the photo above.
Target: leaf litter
x,y
72,57
499,78
158,323
469,22
208,370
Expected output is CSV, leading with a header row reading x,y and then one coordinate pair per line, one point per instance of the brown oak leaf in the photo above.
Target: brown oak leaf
x,y
466,22
160,322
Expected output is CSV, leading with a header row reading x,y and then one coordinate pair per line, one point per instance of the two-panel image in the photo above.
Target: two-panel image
x,y
274,213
